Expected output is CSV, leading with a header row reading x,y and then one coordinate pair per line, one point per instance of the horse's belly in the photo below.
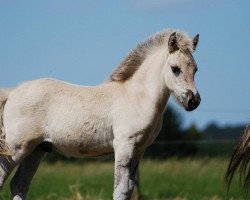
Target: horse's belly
x,y
83,150
84,144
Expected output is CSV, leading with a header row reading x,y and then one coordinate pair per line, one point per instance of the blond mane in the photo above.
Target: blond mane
x,y
134,59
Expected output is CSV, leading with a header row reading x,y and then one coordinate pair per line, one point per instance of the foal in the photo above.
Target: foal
x,y
121,116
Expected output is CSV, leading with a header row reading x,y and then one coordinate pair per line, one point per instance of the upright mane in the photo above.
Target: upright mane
x,y
134,59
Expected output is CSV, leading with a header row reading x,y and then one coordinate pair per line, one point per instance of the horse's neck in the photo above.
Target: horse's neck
x,y
148,81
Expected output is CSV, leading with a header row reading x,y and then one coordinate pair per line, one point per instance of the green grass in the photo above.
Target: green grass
x,y
188,179
174,179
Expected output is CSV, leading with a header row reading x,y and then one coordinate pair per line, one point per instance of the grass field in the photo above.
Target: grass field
x,y
174,179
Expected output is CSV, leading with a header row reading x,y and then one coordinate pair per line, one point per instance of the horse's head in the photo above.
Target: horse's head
x,y
180,69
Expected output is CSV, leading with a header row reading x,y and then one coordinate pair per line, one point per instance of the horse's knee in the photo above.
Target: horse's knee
x,y
122,195
123,189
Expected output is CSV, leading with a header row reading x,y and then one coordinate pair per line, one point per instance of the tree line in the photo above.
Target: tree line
x,y
173,140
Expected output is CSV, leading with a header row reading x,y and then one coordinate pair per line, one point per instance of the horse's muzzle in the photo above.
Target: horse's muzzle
x,y
193,101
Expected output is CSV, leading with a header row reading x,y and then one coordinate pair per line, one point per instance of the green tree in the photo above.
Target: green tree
x,y
192,133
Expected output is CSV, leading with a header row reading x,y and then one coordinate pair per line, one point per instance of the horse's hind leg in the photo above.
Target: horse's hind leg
x,y
20,183
7,163
6,167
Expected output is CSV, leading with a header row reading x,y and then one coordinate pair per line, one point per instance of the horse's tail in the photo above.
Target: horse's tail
x,y
240,160
4,147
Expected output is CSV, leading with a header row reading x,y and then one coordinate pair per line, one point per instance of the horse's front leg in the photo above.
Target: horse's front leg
x,y
126,164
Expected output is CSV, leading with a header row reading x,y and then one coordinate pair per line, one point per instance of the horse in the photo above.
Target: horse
x,y
240,161
121,116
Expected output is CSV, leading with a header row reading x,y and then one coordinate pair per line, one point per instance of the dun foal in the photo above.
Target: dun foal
x,y
121,116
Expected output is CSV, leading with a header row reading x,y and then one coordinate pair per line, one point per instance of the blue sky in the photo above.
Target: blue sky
x,y
83,41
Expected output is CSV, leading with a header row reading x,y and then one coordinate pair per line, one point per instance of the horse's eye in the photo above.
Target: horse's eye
x,y
176,70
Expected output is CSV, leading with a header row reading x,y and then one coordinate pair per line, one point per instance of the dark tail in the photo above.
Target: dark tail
x,y
240,161
4,147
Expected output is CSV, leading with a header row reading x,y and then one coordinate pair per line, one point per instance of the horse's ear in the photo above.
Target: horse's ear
x,y
172,43
195,41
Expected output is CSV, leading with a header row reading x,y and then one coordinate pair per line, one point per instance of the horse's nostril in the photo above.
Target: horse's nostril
x,y
197,97
191,102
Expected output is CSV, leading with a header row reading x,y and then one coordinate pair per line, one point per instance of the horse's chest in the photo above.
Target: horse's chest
x,y
142,131
148,135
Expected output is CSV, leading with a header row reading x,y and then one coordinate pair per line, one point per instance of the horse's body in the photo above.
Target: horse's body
x,y
121,116
78,121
